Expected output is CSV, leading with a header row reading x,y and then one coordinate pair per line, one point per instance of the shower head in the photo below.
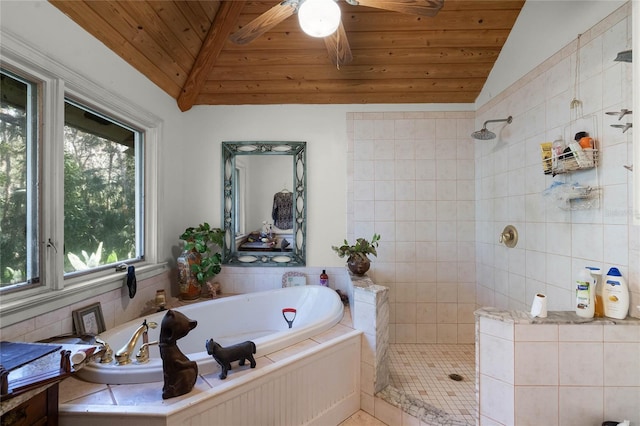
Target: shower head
x,y
484,134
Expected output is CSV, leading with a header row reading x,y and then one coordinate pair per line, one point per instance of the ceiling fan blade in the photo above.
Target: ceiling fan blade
x,y
411,7
264,22
338,47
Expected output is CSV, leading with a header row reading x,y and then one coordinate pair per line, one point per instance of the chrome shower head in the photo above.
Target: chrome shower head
x,y
484,134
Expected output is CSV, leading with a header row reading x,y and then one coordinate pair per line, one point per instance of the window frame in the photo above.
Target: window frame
x,y
33,177
55,83
139,182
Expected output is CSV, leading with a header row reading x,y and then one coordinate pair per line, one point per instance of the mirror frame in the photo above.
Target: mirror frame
x,y
230,254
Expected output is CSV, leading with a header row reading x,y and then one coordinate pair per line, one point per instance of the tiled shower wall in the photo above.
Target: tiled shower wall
x,y
555,243
411,180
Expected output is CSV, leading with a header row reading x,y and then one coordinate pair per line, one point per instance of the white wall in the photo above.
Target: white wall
x,y
323,127
542,27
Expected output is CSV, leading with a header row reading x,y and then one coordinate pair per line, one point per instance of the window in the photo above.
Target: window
x,y
78,186
102,185
18,182
102,188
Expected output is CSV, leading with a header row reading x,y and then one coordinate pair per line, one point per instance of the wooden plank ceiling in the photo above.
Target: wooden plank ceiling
x,y
184,48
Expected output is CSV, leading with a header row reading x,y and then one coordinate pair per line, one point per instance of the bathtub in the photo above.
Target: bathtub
x,y
254,316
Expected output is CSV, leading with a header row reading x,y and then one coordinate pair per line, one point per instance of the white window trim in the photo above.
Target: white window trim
x,y
56,292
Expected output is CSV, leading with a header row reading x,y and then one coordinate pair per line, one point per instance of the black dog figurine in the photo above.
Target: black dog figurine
x,y
180,373
225,356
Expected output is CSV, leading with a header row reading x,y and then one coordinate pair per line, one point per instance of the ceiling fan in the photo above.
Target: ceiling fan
x,y
336,41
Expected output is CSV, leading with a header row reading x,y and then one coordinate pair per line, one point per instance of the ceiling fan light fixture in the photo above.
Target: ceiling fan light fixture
x,y
319,18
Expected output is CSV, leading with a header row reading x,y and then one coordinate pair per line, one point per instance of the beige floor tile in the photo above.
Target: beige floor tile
x,y
362,418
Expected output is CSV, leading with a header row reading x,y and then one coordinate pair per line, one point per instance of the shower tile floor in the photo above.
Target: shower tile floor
x,y
422,371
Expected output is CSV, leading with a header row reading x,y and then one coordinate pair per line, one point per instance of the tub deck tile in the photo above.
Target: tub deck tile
x,y
102,397
150,394
336,331
292,350
71,389
236,371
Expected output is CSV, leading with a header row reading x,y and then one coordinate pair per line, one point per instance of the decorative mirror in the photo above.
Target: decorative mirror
x,y
264,196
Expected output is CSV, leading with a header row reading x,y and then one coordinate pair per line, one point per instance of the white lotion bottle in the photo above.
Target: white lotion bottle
x,y
616,295
585,294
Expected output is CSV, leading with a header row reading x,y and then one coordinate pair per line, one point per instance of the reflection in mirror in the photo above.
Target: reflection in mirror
x,y
264,197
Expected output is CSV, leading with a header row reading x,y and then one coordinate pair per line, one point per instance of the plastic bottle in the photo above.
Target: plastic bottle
x,y
324,278
585,294
616,295
557,149
596,273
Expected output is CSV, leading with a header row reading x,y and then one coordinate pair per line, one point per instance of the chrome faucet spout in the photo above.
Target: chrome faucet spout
x,y
123,356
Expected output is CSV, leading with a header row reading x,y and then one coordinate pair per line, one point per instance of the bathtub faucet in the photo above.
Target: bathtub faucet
x,y
123,356
105,353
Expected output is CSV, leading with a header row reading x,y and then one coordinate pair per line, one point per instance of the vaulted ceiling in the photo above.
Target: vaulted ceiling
x,y
190,49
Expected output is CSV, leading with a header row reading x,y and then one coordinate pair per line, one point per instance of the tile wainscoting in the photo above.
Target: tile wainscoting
x,y
561,370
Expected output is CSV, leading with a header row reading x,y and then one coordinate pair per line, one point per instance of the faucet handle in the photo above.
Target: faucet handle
x,y
107,353
143,353
509,236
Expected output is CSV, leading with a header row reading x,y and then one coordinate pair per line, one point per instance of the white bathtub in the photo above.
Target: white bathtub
x,y
253,316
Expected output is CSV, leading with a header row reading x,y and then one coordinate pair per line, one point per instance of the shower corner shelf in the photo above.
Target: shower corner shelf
x,y
581,198
572,196
567,163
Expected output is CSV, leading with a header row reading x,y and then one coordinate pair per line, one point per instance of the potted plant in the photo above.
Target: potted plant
x,y
201,260
357,259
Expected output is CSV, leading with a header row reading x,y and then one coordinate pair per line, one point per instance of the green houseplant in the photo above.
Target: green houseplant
x,y
357,259
201,259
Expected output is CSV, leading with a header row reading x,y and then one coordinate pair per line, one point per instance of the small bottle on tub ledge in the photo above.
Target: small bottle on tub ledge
x,y
324,278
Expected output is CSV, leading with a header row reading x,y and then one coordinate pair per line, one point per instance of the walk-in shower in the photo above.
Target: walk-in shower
x,y
484,134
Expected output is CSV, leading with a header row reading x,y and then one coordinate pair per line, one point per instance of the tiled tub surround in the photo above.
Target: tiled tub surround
x,y
316,381
117,308
560,370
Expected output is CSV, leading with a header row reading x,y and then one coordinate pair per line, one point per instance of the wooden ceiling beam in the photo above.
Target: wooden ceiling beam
x,y
221,27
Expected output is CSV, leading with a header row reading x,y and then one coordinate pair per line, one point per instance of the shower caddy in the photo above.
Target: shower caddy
x,y
572,196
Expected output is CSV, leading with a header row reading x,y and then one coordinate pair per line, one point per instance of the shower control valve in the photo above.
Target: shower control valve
x,y
509,236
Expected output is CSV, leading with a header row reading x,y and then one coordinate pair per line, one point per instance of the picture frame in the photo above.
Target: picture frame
x,y
89,320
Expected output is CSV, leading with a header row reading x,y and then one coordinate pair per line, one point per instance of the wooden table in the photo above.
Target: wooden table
x,y
30,396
